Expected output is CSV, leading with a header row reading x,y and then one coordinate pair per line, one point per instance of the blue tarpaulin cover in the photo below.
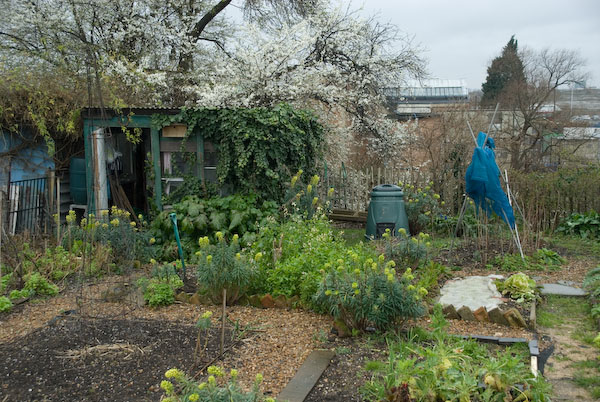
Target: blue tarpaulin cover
x,y
483,181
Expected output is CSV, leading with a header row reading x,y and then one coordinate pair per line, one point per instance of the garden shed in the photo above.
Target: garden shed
x,y
139,156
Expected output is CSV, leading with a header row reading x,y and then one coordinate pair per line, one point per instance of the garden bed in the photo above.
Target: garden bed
x,y
75,358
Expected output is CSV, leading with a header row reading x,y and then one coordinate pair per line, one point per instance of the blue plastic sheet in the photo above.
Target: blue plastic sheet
x,y
483,181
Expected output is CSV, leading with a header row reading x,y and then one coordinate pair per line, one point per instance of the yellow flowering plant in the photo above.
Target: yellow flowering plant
x,y
218,387
224,265
365,293
422,206
306,200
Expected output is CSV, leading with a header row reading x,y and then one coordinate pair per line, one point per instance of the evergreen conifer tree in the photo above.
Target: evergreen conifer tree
x,y
505,70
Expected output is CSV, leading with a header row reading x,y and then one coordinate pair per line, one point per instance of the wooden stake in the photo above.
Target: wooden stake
x,y
223,320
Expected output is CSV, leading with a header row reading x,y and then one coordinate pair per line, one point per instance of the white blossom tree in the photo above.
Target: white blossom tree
x,y
310,53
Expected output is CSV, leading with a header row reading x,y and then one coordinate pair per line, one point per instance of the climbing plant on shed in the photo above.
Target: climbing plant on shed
x,y
259,148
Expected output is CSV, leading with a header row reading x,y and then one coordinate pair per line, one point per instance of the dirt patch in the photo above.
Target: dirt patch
x,y
569,323
276,341
346,374
98,359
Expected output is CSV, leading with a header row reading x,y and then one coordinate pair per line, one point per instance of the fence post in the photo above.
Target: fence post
x,y
57,208
49,197
1,231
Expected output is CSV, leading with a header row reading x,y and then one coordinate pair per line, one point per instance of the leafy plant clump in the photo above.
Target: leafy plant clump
x,y
591,283
5,304
224,266
543,259
218,387
519,287
160,289
36,284
368,293
436,366
585,225
196,218
122,239
297,254
423,206
408,250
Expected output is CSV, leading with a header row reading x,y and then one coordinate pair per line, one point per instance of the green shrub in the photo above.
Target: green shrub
x,y
5,281
159,294
519,287
429,274
591,283
308,246
409,250
436,366
224,266
548,257
5,304
197,218
115,230
367,293
37,285
423,206
584,225
303,199
179,387
19,294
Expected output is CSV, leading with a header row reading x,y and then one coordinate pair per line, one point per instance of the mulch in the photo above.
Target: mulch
x,y
275,343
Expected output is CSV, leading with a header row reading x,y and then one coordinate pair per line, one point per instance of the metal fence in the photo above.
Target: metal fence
x,y
27,206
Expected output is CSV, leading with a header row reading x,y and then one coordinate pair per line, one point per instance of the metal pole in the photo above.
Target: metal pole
x,y
491,123
472,133
173,217
460,217
516,228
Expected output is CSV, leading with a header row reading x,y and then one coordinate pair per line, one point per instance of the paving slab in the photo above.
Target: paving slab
x,y
561,290
472,292
306,377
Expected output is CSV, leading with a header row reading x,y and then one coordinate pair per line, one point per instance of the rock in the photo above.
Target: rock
x,y
342,329
481,314
243,301
254,301
182,297
514,318
495,315
450,312
195,300
267,301
466,314
280,301
294,302
561,290
117,293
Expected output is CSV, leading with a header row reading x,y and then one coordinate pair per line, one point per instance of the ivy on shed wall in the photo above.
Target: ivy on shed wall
x,y
259,148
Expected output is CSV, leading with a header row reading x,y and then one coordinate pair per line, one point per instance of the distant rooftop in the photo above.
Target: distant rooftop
x,y
432,91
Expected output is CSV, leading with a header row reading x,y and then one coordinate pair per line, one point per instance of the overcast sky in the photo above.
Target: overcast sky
x,y
461,37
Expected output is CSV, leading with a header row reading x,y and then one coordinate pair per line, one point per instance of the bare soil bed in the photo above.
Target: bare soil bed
x,y
75,358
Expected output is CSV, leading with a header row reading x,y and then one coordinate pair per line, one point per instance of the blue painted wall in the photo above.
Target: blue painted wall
x,y
30,163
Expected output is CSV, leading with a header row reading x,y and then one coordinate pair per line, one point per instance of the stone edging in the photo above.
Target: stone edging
x,y
510,317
